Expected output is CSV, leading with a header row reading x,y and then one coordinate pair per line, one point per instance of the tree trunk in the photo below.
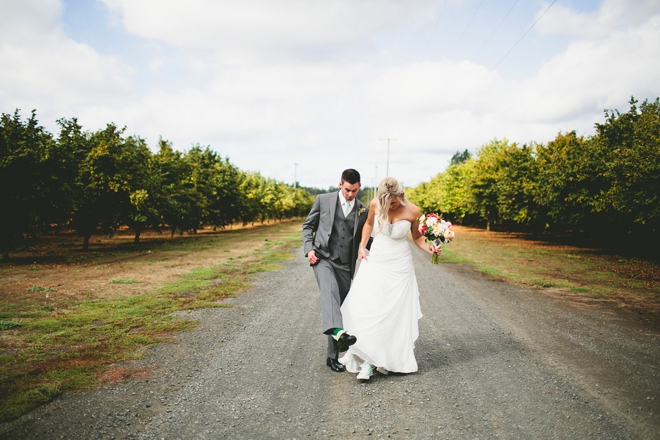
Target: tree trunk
x,y
172,231
86,242
136,240
5,255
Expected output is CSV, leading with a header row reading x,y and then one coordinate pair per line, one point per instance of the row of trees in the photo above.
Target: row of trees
x,y
606,185
99,181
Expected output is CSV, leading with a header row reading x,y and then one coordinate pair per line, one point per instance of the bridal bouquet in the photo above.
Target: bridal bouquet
x,y
437,232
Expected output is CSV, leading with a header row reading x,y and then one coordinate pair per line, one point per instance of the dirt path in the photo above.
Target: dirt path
x,y
495,361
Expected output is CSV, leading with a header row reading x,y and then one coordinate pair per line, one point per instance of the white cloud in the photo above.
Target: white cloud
x,y
41,68
324,113
592,74
251,29
612,16
269,117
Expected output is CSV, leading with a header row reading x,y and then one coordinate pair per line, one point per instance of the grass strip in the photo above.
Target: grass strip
x,y
57,350
520,259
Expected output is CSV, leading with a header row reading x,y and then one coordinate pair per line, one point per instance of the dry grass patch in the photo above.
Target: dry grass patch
x,y
67,324
557,267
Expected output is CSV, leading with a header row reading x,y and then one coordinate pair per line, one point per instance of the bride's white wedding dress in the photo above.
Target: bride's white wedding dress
x,y
382,307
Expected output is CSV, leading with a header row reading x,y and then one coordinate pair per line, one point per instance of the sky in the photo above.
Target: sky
x,y
303,89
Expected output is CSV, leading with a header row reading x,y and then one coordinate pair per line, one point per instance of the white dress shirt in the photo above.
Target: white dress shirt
x,y
345,204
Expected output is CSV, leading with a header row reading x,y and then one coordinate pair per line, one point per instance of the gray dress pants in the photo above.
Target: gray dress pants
x,y
334,280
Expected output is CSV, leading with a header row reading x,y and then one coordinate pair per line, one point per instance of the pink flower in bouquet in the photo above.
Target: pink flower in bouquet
x,y
436,231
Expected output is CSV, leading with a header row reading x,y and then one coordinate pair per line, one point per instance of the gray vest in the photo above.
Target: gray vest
x,y
341,237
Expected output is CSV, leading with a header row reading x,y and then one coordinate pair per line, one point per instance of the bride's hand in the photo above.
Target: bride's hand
x,y
433,250
362,254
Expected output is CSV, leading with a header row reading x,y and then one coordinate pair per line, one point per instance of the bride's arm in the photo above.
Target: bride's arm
x,y
367,229
417,237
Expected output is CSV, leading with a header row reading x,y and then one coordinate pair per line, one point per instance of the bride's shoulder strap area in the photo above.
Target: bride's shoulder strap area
x,y
415,212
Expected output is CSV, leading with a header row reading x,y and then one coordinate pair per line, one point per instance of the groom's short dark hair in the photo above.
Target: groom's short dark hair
x,y
351,176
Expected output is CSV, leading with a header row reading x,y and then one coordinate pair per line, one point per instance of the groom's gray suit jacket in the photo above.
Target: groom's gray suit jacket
x,y
318,225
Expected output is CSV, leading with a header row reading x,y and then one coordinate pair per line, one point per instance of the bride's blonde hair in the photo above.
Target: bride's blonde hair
x,y
388,190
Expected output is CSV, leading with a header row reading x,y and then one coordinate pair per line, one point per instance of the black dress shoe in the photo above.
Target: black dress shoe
x,y
345,341
335,365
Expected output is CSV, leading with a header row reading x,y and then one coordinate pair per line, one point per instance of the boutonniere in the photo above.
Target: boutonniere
x,y
362,210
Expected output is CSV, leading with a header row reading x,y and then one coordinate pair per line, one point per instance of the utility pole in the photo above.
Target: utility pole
x,y
375,188
295,172
387,168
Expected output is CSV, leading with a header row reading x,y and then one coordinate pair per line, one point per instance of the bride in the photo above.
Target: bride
x,y
382,307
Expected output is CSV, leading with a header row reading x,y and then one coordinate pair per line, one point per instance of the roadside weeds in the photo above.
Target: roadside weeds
x,y
591,273
65,326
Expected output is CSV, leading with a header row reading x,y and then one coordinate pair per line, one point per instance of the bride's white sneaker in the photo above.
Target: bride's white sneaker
x,y
366,371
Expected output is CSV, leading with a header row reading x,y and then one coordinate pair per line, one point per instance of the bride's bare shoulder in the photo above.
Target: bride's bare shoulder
x,y
413,211
373,205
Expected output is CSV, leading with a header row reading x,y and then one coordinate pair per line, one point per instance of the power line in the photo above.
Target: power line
x,y
523,36
506,54
433,32
387,168
375,187
497,28
295,175
466,28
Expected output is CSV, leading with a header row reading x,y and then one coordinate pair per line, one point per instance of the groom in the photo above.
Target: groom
x,y
331,236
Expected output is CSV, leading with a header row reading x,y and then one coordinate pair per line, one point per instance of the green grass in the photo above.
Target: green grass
x,y
549,265
8,324
543,283
123,281
36,288
450,257
493,271
70,347
68,351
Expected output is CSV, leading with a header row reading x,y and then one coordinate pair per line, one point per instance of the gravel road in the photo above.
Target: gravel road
x,y
495,361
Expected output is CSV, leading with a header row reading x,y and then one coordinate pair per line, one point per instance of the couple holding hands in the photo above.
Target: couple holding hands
x,y
374,319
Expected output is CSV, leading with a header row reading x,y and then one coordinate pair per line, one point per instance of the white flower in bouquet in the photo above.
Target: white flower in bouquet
x,y
436,231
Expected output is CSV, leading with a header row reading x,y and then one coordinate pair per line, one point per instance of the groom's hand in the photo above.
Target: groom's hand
x,y
313,259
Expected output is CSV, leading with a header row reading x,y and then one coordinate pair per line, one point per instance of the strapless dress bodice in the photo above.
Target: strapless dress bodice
x,y
397,230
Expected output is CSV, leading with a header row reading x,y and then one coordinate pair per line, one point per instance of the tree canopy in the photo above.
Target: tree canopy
x,y
605,184
99,181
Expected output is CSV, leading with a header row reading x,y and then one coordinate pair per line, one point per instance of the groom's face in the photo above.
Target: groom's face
x,y
349,190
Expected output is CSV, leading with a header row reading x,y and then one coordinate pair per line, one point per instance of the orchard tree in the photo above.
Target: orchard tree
x,y
101,186
428,195
569,184
455,201
23,146
516,184
176,197
630,143
482,185
459,158
218,184
140,182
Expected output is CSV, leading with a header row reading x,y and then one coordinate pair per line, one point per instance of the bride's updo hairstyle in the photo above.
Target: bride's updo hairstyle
x,y
388,190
